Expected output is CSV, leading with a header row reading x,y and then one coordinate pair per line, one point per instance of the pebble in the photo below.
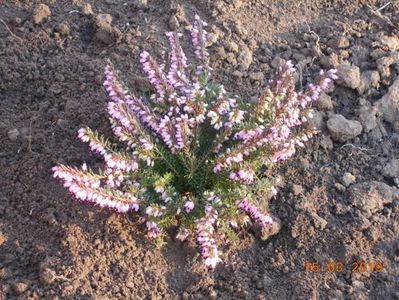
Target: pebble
x,y
318,221
19,287
316,120
87,10
390,43
358,284
297,189
342,129
326,143
370,197
245,58
257,76
373,233
105,32
339,187
368,79
277,62
103,20
368,118
324,103
342,42
349,76
232,46
63,29
13,134
47,276
348,179
141,3
237,74
40,13
389,103
391,169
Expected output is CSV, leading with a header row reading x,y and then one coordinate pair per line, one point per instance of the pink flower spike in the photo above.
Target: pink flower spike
x,y
188,206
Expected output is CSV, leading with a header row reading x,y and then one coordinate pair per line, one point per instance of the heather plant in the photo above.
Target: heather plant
x,y
192,156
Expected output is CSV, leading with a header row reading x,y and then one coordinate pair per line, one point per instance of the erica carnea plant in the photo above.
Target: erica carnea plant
x,y
191,155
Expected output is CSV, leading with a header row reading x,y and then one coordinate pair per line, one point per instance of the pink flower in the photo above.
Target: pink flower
x,y
254,213
188,206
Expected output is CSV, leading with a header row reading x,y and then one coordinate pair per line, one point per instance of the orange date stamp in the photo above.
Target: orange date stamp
x,y
342,267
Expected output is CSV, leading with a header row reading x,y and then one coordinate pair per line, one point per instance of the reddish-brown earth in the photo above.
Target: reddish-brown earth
x,y
51,65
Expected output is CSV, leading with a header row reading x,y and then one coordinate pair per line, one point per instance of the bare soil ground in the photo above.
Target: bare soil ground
x,y
51,66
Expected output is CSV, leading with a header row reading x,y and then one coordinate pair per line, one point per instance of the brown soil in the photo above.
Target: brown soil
x,y
51,67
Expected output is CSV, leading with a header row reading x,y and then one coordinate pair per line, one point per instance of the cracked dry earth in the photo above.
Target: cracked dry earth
x,y
338,198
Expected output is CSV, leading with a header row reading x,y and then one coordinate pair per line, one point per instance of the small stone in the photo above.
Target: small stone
x,y
221,53
19,287
318,221
342,129
4,273
47,276
391,169
383,66
297,189
237,74
231,59
245,58
390,43
316,120
258,76
213,37
232,47
40,13
18,21
339,187
368,118
389,103
368,79
359,55
359,285
141,3
87,10
174,23
277,62
370,197
326,143
324,102
105,32
349,76
237,3
330,61
13,134
63,29
341,42
103,20
348,179
213,294
373,233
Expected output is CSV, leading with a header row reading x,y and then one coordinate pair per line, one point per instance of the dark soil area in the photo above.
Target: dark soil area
x,y
338,198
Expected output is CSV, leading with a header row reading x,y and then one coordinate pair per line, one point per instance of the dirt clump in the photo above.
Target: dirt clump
x,y
40,13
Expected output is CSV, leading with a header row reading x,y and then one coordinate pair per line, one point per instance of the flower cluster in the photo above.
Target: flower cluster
x,y
191,155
